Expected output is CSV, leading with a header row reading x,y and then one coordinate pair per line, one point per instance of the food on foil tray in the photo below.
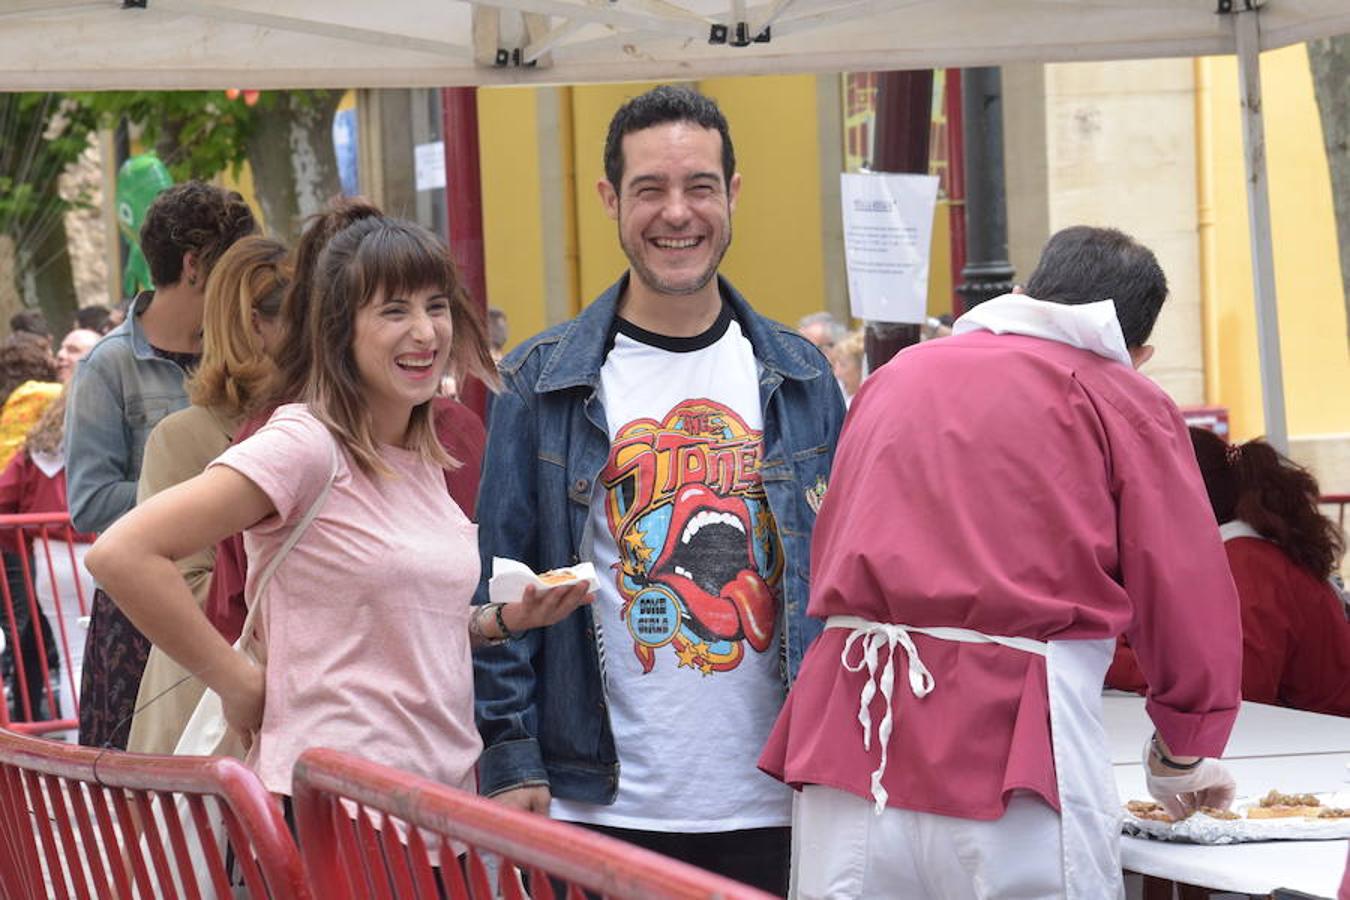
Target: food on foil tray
x,y
1147,809
1275,817
1274,805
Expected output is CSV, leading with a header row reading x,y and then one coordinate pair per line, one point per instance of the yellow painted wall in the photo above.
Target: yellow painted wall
x,y
940,261
571,262
512,237
1308,281
775,258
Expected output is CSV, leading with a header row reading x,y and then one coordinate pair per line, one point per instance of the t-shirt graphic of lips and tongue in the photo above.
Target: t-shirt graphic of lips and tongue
x,y
690,564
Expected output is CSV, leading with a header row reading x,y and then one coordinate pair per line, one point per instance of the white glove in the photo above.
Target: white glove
x,y
1208,784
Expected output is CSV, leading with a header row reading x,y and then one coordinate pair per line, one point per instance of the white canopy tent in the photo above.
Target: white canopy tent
x,y
102,44
150,44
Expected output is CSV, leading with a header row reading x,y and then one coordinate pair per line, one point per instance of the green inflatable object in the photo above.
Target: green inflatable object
x,y
139,182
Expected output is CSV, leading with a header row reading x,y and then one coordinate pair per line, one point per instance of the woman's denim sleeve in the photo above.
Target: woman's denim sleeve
x,y
96,452
504,676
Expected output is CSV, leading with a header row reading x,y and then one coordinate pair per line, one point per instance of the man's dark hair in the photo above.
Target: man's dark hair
x,y
192,217
659,106
24,357
1084,264
30,321
94,318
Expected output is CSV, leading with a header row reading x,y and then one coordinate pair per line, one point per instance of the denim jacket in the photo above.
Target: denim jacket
x,y
540,700
120,392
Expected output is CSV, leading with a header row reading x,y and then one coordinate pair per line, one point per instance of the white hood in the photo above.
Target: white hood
x,y
1087,326
1238,529
48,463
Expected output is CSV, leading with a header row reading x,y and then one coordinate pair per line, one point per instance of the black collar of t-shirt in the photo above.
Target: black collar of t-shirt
x,y
712,335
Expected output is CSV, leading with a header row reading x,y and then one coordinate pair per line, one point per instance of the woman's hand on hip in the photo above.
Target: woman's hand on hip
x,y
242,699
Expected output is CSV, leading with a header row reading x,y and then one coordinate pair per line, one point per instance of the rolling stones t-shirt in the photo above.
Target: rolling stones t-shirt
x,y
690,565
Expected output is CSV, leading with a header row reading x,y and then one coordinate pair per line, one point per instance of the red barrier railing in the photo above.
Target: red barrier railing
x,y
44,601
87,823
1340,501
368,831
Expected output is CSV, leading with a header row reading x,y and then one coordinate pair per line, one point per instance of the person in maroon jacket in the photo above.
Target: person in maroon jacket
x,y
34,481
459,428
1282,551
1004,503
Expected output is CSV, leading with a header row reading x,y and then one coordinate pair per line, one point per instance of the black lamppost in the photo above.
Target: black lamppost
x,y
987,272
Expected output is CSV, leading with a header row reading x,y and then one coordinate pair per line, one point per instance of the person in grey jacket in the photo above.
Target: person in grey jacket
x,y
130,380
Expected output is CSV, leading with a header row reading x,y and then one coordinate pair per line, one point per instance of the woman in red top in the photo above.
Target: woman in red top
x,y
34,481
1282,550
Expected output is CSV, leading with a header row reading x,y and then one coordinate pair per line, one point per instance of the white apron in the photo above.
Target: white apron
x,y
1089,818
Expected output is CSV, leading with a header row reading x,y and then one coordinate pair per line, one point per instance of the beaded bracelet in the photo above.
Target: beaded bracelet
x,y
476,626
1172,763
507,635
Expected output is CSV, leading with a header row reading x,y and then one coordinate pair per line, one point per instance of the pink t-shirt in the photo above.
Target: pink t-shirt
x,y
365,621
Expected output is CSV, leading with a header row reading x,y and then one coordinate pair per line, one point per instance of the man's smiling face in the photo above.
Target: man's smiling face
x,y
674,206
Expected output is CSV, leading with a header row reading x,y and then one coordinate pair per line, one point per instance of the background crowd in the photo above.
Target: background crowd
x,y
267,403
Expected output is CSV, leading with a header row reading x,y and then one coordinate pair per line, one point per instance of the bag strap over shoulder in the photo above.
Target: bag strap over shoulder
x,y
246,635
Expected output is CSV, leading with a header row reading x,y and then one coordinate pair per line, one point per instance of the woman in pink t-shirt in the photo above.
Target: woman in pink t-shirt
x,y
366,623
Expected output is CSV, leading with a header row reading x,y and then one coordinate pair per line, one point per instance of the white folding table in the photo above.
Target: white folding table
x,y
1270,747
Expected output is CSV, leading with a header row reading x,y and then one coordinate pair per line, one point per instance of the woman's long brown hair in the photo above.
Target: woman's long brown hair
x,y
293,353
48,434
398,258
1253,482
250,279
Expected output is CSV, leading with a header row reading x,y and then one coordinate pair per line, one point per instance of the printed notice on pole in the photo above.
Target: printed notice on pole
x,y
429,166
888,228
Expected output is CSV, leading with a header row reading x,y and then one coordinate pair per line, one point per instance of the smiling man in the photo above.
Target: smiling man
x,y
681,442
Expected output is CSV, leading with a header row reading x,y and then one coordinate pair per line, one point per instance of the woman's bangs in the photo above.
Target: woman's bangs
x,y
400,261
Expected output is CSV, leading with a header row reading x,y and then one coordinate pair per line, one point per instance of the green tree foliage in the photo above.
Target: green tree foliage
x,y
40,135
197,134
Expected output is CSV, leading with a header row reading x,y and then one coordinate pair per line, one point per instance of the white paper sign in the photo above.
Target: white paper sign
x,y
429,165
888,229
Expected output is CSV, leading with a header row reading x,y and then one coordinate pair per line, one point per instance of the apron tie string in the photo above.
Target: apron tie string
x,y
876,636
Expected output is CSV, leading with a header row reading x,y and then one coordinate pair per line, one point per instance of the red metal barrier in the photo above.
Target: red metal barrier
x,y
368,831
1340,501
87,823
52,593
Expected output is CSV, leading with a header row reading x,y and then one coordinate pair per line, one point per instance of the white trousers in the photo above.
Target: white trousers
x,y
68,609
842,849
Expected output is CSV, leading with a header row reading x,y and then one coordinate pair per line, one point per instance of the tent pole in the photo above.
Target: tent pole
x,y
904,124
1248,34
464,210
